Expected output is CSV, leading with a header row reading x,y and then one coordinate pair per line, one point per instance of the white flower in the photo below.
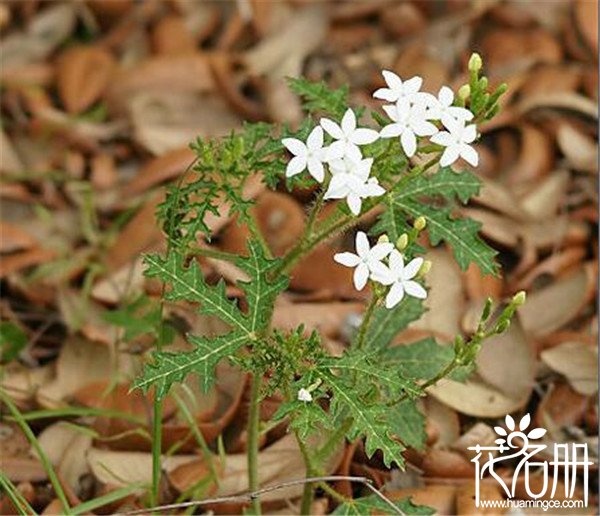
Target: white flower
x,y
441,108
367,260
400,277
352,182
307,155
347,135
397,89
304,395
408,122
457,140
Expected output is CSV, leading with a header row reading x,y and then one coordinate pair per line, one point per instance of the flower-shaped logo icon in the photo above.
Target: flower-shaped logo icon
x,y
534,433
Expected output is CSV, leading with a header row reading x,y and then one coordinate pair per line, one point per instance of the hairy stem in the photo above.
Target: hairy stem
x,y
366,322
253,434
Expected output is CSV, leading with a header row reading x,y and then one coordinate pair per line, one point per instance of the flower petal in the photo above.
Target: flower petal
x,y
354,203
361,276
414,289
379,270
362,244
391,131
316,169
449,156
409,142
386,94
392,111
469,133
363,136
411,268
347,259
380,251
396,262
412,85
395,295
469,154
442,138
446,96
336,150
295,166
315,138
392,80
348,122
422,127
295,146
332,128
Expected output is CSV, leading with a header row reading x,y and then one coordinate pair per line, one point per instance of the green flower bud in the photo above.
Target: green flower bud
x,y
383,239
475,62
420,223
464,92
425,268
519,298
402,242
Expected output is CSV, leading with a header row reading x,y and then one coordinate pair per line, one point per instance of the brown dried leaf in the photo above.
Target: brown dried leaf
x,y
578,362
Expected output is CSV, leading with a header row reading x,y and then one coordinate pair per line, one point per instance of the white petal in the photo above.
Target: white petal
x,y
392,80
391,131
409,142
363,168
347,259
460,113
295,166
424,100
454,126
379,270
395,295
361,275
422,127
413,289
363,136
392,111
362,244
412,267
442,138
386,94
338,182
450,155
315,139
336,150
446,96
338,191
316,169
354,203
383,275
469,134
380,251
373,189
295,146
348,122
469,154
332,128
413,85
304,395
396,262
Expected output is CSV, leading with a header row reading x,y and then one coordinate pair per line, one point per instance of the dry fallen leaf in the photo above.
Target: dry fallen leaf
x,y
578,362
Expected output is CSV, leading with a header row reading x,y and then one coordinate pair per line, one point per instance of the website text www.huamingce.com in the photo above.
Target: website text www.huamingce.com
x,y
535,504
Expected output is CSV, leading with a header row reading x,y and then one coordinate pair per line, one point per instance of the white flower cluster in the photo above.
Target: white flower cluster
x,y
412,113
369,263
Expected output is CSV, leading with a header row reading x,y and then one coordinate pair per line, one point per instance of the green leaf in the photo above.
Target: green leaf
x,y
421,196
375,505
306,418
408,424
420,360
168,368
12,341
319,97
189,284
368,418
386,323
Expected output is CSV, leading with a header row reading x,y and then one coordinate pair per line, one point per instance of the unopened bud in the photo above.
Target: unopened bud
x,y
383,239
420,223
502,326
464,92
475,62
519,298
402,242
425,268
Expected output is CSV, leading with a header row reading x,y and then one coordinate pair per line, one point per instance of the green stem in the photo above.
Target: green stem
x,y
52,476
15,496
258,236
364,326
156,451
253,434
308,491
214,253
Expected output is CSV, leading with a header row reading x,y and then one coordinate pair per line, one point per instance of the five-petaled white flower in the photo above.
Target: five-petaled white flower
x,y
307,155
352,182
304,395
398,89
367,260
401,279
408,122
347,135
457,140
441,108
